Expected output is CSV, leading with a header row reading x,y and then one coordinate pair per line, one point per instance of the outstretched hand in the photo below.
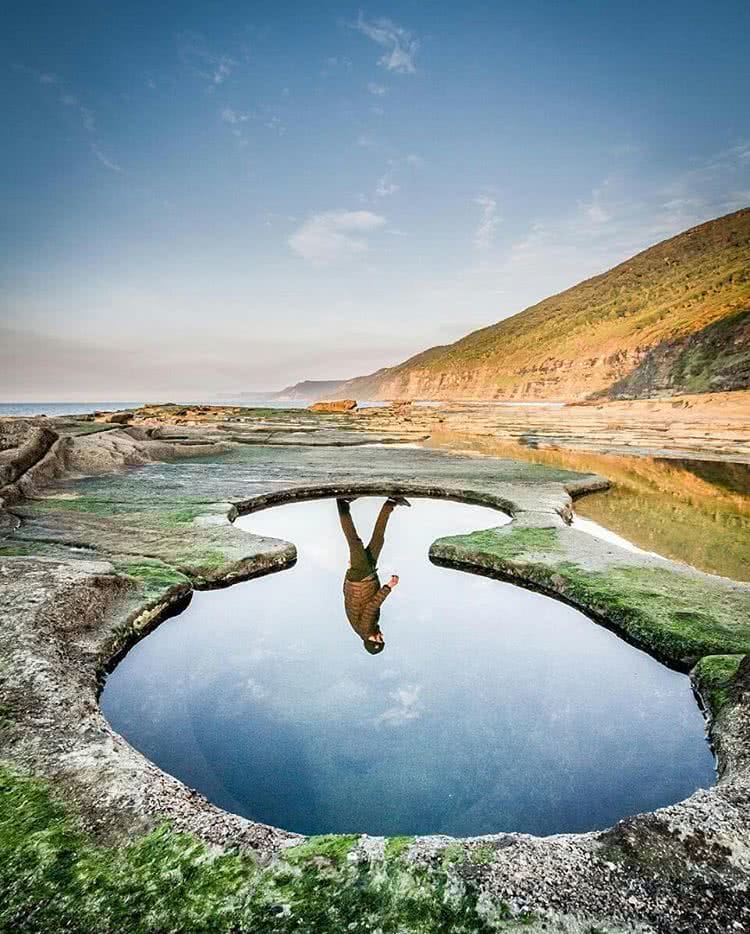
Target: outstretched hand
x,y
393,581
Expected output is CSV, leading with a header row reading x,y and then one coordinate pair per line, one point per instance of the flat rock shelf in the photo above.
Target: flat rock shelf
x,y
491,709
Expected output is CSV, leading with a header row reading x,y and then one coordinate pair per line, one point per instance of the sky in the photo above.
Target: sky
x,y
220,197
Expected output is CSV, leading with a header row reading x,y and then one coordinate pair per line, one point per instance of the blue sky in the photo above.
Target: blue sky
x,y
215,197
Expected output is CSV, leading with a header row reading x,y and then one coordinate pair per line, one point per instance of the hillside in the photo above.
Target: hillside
x,y
309,390
660,311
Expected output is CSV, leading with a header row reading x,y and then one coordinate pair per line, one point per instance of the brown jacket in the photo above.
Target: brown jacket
x,y
362,602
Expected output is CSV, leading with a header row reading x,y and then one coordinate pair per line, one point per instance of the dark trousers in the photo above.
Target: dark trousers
x,y
363,559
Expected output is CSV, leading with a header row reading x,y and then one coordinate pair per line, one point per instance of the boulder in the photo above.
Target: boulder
x,y
340,405
114,418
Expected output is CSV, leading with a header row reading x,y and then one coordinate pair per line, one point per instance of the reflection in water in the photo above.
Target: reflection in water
x,y
493,709
693,511
363,595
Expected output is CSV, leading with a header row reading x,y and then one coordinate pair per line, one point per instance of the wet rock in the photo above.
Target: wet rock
x,y
342,405
64,617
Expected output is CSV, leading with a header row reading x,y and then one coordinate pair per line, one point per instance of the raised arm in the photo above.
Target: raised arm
x,y
377,598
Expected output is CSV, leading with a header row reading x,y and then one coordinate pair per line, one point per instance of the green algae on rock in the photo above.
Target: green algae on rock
x,y
714,676
55,877
677,614
64,616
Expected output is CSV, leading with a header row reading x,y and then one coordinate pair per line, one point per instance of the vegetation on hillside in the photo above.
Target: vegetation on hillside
x,y
587,338
714,359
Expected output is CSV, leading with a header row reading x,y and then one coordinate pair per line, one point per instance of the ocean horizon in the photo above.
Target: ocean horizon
x,y
86,408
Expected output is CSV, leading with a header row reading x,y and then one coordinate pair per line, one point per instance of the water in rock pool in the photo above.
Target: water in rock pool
x,y
491,708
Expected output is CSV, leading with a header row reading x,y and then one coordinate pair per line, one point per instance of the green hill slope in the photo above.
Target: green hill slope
x,y
649,312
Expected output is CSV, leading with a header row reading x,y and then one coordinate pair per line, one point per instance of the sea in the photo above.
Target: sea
x,y
84,408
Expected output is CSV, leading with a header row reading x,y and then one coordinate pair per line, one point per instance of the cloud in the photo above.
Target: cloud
x,y
87,119
593,210
488,223
596,213
105,161
43,77
70,101
400,45
233,116
386,186
622,215
222,69
211,67
67,99
334,235
275,123
339,61
377,89
407,706
255,689
266,115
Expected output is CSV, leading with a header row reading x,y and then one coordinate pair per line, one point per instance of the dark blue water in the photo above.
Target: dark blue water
x,y
490,709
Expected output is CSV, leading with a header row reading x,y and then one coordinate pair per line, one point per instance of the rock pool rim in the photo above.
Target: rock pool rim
x,y
176,602
663,869
178,598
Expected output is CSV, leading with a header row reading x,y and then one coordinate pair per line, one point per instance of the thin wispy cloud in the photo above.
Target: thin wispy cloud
x,y
214,68
386,186
484,235
333,236
88,120
400,45
233,116
43,77
238,120
104,159
377,89
594,209
71,102
275,123
621,216
339,61
406,706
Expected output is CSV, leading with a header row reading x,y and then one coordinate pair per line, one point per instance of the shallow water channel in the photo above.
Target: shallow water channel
x,y
490,709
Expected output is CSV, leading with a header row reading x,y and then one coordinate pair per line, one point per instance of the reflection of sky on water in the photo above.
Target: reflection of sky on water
x,y
490,709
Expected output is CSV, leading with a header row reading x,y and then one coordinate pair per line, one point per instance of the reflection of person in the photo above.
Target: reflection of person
x,y
363,595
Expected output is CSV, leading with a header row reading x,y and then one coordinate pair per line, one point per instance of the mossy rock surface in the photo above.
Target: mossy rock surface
x,y
714,676
55,878
678,615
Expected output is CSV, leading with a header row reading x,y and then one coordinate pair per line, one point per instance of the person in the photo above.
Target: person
x,y
363,595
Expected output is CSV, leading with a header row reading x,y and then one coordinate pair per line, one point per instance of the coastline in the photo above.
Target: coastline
x,y
70,615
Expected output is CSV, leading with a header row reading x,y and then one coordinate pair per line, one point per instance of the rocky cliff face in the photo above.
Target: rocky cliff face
x,y
714,359
593,336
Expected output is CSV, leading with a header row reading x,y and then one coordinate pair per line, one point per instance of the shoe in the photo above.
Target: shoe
x,y
399,501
